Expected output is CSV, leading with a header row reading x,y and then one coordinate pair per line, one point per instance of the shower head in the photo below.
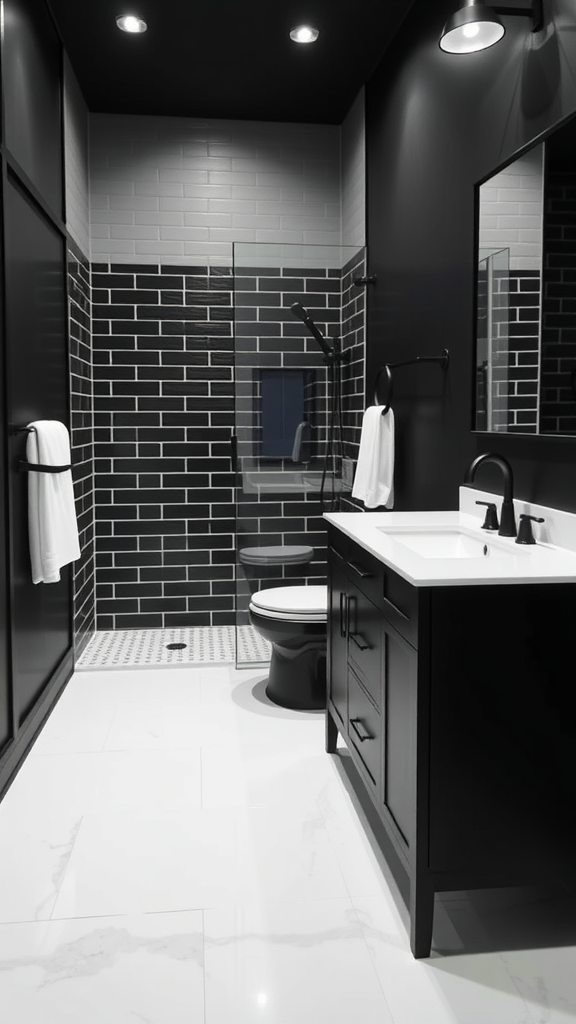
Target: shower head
x,y
301,313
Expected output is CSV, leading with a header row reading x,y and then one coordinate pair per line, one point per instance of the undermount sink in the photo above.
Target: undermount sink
x,y
451,543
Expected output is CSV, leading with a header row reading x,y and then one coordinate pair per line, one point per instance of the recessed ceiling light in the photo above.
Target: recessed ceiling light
x,y
131,23
304,34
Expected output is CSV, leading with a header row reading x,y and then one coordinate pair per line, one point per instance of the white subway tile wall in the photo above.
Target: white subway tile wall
x,y
168,190
511,211
354,175
76,162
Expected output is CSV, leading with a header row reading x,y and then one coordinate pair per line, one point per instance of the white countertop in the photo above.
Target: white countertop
x,y
543,562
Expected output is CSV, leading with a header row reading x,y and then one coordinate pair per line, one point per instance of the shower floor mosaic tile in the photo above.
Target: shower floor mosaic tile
x,y
196,646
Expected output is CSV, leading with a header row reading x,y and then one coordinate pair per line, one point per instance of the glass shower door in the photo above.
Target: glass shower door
x,y
284,421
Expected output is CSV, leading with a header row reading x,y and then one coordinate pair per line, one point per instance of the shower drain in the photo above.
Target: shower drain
x,y
176,647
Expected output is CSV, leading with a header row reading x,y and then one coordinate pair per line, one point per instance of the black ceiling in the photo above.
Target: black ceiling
x,y
227,58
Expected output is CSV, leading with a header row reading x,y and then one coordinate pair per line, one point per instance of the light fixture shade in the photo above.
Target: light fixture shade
x,y
304,34
131,23
475,26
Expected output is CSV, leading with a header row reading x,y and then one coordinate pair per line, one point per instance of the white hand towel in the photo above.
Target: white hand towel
x,y
374,477
52,526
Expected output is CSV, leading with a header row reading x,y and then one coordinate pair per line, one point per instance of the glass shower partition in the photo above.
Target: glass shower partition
x,y
493,339
290,426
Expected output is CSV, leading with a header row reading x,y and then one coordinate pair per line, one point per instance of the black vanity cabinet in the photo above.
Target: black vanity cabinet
x,y
460,717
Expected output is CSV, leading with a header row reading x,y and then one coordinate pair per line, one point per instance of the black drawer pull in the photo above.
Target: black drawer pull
x,y
343,614
355,722
361,643
361,572
395,609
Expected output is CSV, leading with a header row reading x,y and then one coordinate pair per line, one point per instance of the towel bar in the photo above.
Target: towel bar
x,y
442,361
36,467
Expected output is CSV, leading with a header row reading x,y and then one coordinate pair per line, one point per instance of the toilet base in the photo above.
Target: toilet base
x,y
297,678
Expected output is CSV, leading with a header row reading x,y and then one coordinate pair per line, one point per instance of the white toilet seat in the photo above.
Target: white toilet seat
x,y
292,604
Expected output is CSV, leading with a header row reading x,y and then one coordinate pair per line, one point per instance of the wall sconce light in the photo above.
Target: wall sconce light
x,y
476,26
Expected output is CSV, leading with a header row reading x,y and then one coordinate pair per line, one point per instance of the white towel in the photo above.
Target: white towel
x,y
52,526
374,477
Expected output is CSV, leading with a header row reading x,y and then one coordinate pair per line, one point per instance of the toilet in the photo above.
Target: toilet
x,y
293,620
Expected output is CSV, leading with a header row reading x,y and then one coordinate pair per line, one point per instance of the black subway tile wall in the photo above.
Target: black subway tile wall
x,y
170,383
525,311
354,397
164,412
514,330
521,388
559,305
82,441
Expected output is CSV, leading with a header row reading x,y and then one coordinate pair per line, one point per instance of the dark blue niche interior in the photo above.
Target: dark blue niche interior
x,y
286,414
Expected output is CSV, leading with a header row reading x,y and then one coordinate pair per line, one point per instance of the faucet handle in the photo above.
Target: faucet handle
x,y
525,535
491,518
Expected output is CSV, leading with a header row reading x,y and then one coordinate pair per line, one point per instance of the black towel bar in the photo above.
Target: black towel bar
x,y
442,361
36,467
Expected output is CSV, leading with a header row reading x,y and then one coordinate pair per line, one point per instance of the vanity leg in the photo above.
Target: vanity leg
x,y
331,733
421,917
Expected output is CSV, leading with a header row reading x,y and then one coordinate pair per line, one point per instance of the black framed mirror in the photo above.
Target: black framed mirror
x,y
525,364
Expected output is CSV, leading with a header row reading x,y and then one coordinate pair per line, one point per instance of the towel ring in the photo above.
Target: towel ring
x,y
442,360
389,388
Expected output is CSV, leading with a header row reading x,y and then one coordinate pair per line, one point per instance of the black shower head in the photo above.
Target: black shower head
x,y
301,313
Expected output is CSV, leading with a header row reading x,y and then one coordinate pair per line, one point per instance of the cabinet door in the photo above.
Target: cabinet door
x,y
337,636
400,685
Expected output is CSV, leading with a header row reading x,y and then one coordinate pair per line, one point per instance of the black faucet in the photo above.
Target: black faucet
x,y
507,521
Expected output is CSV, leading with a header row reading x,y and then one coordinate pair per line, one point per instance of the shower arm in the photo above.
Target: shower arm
x,y
332,349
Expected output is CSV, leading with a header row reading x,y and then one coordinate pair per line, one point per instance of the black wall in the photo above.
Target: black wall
x,y
36,655
436,125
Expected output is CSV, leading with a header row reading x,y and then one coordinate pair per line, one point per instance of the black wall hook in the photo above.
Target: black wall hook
x,y
361,282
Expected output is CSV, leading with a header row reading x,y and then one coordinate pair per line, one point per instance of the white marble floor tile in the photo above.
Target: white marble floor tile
x,y
103,971
464,989
35,846
361,861
546,980
172,793
145,726
124,864
267,775
301,963
152,685
108,782
217,684
74,728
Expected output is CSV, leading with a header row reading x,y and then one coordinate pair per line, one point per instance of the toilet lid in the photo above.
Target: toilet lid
x,y
276,554
292,602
